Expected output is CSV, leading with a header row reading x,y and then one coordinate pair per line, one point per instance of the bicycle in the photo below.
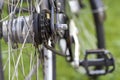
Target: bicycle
x,y
44,23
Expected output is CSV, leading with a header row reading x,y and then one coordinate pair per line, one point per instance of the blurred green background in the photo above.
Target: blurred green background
x,y
112,34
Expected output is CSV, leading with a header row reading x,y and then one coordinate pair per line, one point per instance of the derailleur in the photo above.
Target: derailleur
x,y
98,66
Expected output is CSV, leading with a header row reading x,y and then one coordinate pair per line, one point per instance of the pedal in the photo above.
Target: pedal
x,y
105,63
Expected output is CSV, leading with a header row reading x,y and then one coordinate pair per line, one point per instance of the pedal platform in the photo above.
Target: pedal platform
x,y
98,66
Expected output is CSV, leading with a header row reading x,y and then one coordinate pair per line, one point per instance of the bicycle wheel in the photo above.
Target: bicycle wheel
x,y
22,54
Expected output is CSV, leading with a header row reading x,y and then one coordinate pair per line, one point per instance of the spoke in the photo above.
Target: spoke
x,y
9,48
9,64
23,71
33,70
5,64
20,8
5,18
86,33
16,5
37,5
31,59
15,61
86,18
27,25
90,36
14,50
37,66
16,66
23,8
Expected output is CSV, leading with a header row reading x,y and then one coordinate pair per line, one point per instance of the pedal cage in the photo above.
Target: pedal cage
x,y
98,66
